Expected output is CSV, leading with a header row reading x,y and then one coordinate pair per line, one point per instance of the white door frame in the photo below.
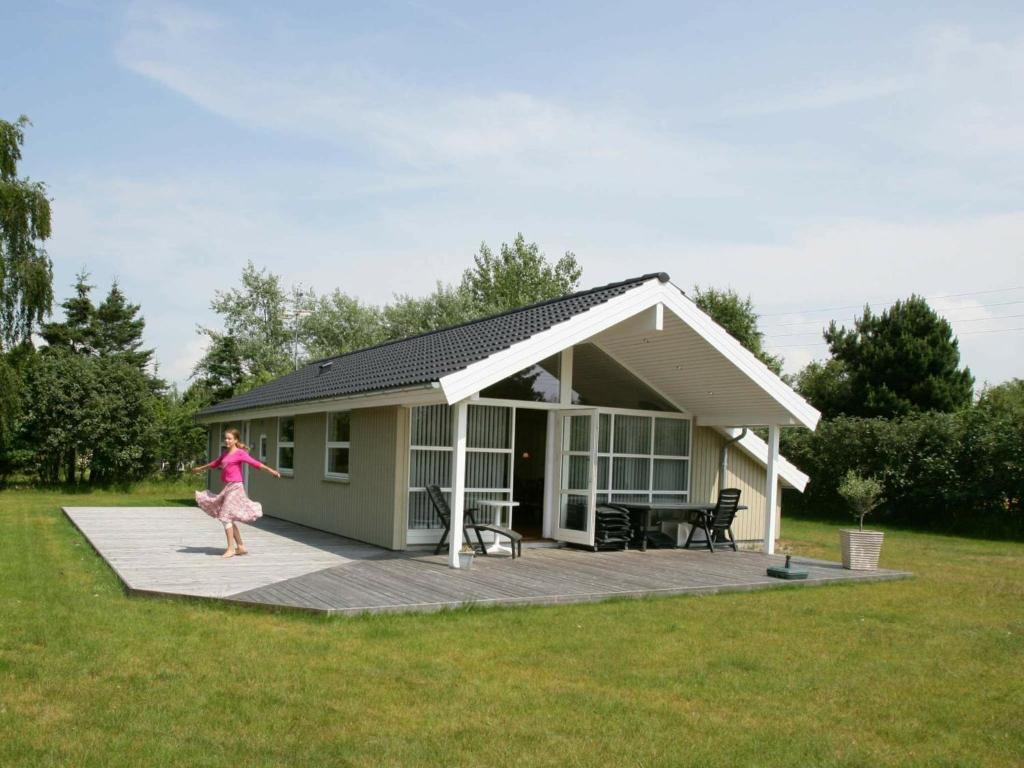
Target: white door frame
x,y
585,537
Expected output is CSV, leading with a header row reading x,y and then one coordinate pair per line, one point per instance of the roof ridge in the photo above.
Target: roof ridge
x,y
662,276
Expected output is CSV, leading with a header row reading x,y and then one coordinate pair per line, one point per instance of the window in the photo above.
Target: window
x,y
286,445
643,458
489,460
339,428
539,383
263,449
598,379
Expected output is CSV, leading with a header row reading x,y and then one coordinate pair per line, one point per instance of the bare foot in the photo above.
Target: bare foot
x,y
241,551
228,553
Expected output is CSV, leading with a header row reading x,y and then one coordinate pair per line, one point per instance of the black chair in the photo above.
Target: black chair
x,y
444,513
719,520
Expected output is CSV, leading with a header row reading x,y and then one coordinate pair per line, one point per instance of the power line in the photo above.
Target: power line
x,y
893,301
965,333
944,313
996,330
969,320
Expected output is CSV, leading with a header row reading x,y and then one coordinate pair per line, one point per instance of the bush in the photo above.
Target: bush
x,y
961,472
87,416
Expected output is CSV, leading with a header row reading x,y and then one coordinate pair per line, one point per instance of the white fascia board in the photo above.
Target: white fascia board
x,y
804,413
746,420
480,375
427,395
758,450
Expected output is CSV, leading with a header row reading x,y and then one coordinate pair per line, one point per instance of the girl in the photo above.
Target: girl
x,y
231,505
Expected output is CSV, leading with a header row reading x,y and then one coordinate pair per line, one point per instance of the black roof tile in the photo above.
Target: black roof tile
x,y
422,359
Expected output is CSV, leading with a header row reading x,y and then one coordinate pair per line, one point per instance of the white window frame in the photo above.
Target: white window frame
x,y
604,483
329,444
431,535
263,447
286,471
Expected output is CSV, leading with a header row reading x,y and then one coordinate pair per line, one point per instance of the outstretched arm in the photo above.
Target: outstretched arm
x,y
248,459
271,470
212,465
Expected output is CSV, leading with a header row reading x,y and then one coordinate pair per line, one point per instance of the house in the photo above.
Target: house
x,y
625,392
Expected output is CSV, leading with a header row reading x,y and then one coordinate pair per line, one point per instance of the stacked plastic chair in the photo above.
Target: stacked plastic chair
x,y
612,529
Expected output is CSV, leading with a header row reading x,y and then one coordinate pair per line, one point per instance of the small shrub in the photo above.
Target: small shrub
x,y
863,494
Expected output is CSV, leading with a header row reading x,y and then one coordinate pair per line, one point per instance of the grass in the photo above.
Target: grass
x,y
920,672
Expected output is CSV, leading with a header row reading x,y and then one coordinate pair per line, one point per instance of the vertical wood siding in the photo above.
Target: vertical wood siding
x,y
744,473
363,508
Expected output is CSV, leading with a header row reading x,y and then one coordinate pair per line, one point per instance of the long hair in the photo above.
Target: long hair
x,y
238,438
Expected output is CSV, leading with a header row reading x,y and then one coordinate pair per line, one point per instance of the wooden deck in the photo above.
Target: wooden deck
x,y
177,551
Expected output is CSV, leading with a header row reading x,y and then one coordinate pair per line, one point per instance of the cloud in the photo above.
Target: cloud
x,y
970,103
470,135
438,167
846,263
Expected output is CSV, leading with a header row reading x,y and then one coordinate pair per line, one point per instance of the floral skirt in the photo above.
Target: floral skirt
x,y
230,504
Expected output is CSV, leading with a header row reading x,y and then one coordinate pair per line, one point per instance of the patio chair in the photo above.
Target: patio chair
x,y
718,520
444,513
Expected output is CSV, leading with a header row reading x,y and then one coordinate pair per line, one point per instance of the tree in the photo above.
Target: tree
x,y
256,342
825,385
254,319
117,330
903,361
218,374
446,306
26,273
339,323
737,316
88,417
179,439
10,409
123,428
519,275
59,421
77,332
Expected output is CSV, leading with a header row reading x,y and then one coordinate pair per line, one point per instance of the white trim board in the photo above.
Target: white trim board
x,y
428,394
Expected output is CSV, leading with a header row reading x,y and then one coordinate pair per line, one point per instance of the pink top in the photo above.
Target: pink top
x,y
231,465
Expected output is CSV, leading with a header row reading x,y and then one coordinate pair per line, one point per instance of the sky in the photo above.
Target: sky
x,y
811,156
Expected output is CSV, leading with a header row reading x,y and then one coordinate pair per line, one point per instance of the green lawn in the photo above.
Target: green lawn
x,y
927,671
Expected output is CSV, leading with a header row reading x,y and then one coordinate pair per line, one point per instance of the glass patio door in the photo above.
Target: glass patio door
x,y
577,481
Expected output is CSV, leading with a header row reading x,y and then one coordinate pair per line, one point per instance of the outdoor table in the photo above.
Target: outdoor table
x,y
665,512
499,504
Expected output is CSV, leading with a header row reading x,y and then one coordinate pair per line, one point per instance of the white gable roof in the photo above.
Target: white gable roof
x,y
691,360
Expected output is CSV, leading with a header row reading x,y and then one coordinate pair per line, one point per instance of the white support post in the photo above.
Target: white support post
x,y
659,316
565,377
771,491
460,414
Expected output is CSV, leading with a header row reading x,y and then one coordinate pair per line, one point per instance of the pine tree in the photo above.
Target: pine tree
x,y
118,330
905,360
77,333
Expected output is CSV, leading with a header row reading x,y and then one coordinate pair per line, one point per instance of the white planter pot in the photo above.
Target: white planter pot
x,y
465,559
860,549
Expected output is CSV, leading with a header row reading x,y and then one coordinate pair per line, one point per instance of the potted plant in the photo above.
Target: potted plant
x,y
466,556
860,548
